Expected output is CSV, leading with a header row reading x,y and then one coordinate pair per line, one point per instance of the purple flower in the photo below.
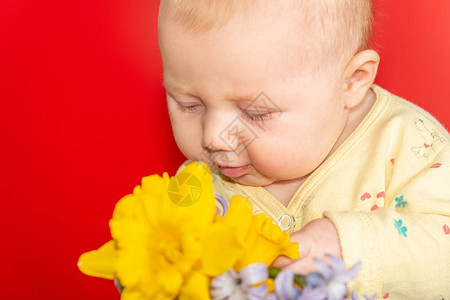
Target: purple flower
x,y
237,286
284,286
330,281
318,293
223,203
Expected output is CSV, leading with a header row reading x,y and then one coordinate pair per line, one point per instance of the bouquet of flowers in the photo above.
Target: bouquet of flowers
x,y
168,242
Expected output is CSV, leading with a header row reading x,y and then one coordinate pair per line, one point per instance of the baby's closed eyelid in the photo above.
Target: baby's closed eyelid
x,y
257,117
189,107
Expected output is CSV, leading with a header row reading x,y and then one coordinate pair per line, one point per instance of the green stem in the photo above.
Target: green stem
x,y
298,279
273,272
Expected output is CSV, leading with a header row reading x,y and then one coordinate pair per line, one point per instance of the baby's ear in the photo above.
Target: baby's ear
x,y
359,75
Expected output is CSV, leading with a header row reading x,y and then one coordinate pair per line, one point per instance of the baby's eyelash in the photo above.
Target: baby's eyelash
x,y
257,117
188,108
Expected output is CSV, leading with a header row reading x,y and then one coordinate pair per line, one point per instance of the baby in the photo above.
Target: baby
x,y
278,98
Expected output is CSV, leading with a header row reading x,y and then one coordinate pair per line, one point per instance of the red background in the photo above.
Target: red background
x,y
83,118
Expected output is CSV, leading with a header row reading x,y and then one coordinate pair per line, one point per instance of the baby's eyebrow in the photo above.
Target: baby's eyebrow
x,y
242,97
181,90
174,88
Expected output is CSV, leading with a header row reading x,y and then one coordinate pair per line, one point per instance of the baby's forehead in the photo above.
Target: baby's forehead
x,y
334,28
203,15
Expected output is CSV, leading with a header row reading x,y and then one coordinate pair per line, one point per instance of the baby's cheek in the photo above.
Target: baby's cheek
x,y
282,161
266,157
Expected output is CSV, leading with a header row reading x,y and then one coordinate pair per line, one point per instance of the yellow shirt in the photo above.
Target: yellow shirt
x,y
387,191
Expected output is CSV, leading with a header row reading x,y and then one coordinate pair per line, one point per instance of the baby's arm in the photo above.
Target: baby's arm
x,y
404,246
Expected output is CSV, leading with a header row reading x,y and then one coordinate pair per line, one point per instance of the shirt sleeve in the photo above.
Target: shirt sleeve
x,y
405,245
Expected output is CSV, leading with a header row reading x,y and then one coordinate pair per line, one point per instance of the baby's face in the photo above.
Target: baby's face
x,y
236,98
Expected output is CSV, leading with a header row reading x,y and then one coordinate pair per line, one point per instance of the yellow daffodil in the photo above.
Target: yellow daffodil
x,y
165,242
168,242
263,241
270,285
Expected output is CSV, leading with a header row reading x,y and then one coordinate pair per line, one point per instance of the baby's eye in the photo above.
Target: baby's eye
x,y
259,117
189,108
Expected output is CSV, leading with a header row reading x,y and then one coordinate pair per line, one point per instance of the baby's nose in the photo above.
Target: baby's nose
x,y
220,132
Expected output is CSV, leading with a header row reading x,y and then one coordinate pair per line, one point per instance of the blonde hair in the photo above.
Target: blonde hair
x,y
340,28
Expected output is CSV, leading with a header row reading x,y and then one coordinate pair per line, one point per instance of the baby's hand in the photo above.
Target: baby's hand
x,y
317,238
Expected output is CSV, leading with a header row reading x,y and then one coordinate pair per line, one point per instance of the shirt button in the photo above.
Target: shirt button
x,y
285,222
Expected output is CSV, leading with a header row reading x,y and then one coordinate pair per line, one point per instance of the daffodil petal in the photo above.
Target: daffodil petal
x,y
291,251
196,288
222,249
191,192
171,281
125,207
100,262
240,215
265,242
274,234
154,184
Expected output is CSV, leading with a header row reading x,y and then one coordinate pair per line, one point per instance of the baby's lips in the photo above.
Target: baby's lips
x,y
234,171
